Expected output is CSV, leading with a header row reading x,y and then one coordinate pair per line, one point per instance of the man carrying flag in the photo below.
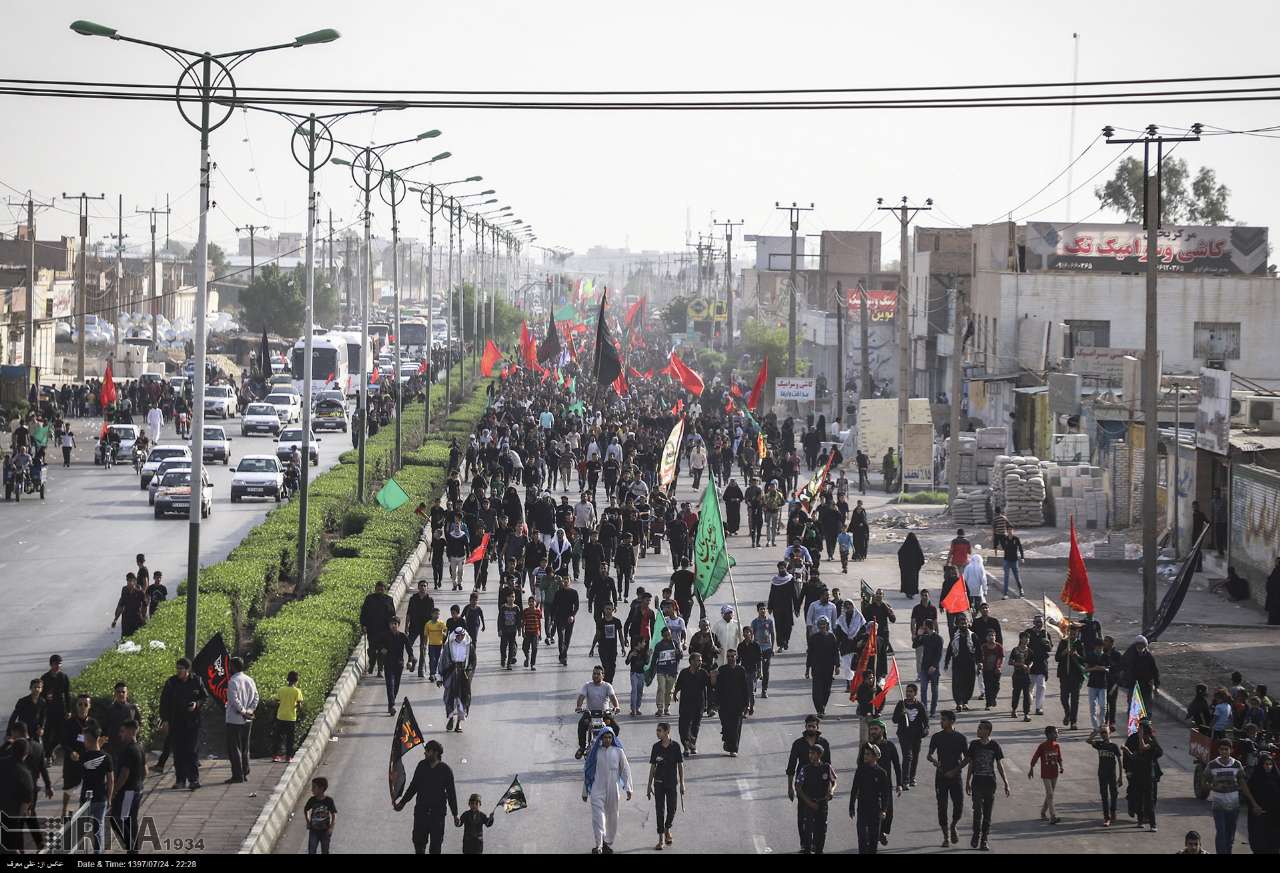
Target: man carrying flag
x,y
407,737
671,456
711,559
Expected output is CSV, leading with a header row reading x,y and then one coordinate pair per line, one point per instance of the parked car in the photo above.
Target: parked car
x,y
174,496
217,445
165,467
256,476
329,415
290,438
128,434
260,418
288,406
158,454
220,400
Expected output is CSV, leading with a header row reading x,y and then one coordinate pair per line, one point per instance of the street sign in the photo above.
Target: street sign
x,y
795,388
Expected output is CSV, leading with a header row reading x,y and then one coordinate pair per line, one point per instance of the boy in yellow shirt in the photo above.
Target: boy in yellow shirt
x,y
288,708
436,630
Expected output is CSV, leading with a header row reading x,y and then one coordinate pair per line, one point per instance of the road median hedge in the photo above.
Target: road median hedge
x,y
316,633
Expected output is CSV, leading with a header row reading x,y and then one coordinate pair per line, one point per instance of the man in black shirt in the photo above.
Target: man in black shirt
x,y
948,752
821,658
97,780
416,617
31,711
691,694
812,736
887,757
510,626
1110,773
682,582
869,800
58,703
17,792
666,777
398,646
375,619
912,721
180,702
432,784
73,741
814,788
608,632
131,770
985,761
565,609
118,713
733,694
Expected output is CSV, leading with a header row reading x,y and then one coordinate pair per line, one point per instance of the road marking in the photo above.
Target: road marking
x,y
762,848
744,788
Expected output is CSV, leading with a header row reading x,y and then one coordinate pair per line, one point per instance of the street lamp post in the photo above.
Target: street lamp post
x,y
197,82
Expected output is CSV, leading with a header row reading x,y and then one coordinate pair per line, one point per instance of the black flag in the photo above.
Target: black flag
x,y
213,666
407,737
608,364
549,350
513,800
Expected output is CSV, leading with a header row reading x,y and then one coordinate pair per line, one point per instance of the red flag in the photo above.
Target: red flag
x,y
753,401
728,405
528,347
635,310
736,391
648,374
422,367
373,377
890,681
108,395
679,407
620,385
635,374
957,599
478,553
864,659
490,358
1076,592
680,371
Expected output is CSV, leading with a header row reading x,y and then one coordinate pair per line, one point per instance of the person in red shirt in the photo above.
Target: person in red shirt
x,y
958,554
1049,754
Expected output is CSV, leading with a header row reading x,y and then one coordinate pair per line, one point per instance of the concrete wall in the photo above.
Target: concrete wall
x,y
1000,299
851,251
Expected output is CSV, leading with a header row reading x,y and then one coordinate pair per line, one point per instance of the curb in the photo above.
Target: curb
x,y
274,818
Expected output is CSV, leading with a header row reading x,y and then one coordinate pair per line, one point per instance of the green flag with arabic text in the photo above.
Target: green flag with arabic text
x,y
711,558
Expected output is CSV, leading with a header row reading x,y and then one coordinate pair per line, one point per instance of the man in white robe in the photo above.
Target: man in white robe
x,y
606,776
155,422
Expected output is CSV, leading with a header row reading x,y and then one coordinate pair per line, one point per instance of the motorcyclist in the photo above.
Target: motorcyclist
x,y
291,475
595,694
21,466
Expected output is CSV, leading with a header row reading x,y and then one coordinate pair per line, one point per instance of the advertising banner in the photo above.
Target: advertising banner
x,y
795,388
881,305
1213,418
917,465
1122,248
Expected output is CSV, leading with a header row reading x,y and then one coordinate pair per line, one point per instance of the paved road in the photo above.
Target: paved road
x,y
68,553
523,723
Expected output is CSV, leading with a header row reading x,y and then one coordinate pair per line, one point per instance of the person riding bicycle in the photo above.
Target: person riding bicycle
x,y
596,694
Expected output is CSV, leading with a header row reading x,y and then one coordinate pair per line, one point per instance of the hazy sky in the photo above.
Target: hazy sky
x,y
632,177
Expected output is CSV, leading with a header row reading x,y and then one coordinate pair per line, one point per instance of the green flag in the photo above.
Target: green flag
x,y
578,408
711,559
392,496
566,313
659,623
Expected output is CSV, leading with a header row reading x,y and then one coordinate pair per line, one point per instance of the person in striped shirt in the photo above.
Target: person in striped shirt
x,y
532,616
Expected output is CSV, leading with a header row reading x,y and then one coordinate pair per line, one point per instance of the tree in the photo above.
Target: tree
x,y
217,260
1203,202
275,301
760,339
676,315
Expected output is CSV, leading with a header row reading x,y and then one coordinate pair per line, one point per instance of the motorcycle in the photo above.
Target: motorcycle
x,y
183,425
33,480
108,453
290,485
139,458
600,719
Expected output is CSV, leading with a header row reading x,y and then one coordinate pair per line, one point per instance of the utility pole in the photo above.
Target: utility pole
x,y
958,332
728,280
82,297
252,230
119,236
346,279
864,332
155,282
1151,352
841,305
793,212
28,335
329,264
905,214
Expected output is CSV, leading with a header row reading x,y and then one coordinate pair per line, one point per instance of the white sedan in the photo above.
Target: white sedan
x,y
158,454
260,418
256,476
290,439
288,406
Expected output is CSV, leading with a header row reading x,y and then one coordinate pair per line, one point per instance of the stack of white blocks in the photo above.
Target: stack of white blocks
x,y
1021,489
992,443
1078,490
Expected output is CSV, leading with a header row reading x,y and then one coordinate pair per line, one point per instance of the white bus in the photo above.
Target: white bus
x,y
329,367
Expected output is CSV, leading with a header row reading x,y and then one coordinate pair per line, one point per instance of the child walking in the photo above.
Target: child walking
x,y
321,814
1049,754
473,822
288,708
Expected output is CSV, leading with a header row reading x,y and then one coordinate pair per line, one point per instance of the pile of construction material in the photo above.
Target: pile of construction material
x,y
992,443
1113,548
967,458
1019,488
1079,491
971,508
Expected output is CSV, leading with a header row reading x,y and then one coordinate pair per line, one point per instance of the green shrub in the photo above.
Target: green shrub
x,y
146,672
928,498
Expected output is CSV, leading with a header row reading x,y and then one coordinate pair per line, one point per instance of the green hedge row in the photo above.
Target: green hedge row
x,y
314,634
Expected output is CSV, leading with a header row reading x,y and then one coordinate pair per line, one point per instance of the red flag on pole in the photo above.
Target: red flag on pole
x,y
736,391
728,405
422,367
490,358
620,385
635,310
1076,592
108,395
680,371
753,400
863,660
957,599
635,374
679,407
478,553
528,348
890,681
648,374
